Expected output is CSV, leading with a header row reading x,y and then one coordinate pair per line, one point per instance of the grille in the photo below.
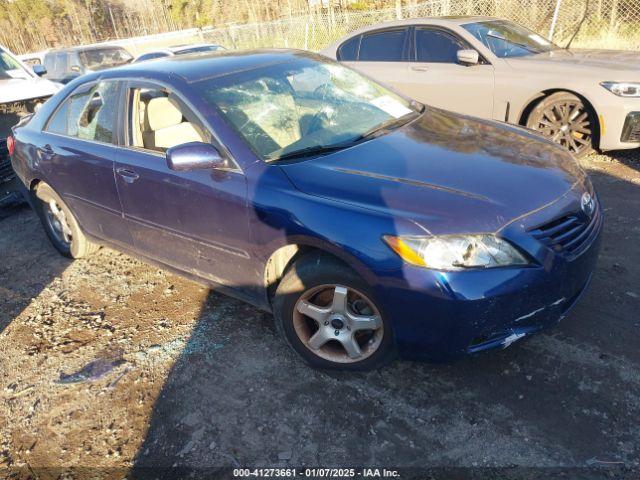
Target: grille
x,y
631,128
6,172
634,135
572,234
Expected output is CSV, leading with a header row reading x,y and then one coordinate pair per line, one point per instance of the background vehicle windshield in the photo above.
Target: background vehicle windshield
x,y
305,104
507,39
10,67
98,58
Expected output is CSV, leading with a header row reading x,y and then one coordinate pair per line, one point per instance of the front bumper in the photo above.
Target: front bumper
x,y
9,183
619,118
442,316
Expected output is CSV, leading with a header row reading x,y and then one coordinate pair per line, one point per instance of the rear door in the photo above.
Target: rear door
x,y
381,54
435,77
77,155
195,221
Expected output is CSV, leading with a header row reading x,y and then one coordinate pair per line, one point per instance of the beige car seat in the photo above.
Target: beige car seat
x,y
163,126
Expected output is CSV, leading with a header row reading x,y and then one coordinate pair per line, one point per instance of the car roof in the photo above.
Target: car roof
x,y
179,48
201,66
443,21
85,48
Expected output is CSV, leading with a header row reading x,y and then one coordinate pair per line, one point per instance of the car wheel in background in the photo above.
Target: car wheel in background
x,y
328,315
60,224
564,119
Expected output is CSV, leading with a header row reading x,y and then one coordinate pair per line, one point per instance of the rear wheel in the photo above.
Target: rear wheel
x,y
60,224
329,316
565,119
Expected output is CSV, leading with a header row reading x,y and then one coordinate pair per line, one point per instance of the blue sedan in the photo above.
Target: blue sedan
x,y
368,224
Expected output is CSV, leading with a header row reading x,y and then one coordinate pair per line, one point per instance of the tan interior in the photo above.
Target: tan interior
x,y
159,124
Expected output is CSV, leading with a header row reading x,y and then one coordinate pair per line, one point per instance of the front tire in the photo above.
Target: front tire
x,y
564,119
329,316
60,225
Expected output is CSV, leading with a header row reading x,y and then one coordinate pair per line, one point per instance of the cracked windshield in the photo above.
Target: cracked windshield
x,y
305,108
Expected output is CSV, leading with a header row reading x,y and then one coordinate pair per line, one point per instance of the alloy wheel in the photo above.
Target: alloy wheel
x,y
57,220
338,323
566,122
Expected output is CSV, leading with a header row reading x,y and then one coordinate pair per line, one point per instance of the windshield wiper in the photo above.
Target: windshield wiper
x,y
326,149
386,126
312,150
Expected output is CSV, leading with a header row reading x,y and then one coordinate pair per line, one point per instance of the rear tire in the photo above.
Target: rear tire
x,y
347,329
60,225
565,119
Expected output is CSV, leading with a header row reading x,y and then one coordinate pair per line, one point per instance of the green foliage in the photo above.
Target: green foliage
x,y
361,5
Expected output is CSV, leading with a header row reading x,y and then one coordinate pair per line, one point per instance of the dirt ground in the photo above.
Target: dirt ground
x,y
110,363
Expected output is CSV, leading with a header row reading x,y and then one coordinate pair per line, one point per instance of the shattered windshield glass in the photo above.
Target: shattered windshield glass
x,y
304,106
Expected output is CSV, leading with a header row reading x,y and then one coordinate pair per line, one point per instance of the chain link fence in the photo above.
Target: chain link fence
x,y
607,23
613,24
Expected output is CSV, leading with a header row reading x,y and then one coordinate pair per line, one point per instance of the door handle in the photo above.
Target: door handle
x,y
417,68
127,175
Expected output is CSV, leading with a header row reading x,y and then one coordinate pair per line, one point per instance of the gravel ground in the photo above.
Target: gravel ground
x,y
110,363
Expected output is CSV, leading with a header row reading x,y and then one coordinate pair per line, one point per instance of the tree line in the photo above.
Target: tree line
x,y
31,25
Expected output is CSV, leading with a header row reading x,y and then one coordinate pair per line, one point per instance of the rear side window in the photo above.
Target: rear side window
x,y
385,46
436,46
61,62
89,114
348,51
49,62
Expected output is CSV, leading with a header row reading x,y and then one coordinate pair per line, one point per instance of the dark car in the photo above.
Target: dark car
x,y
65,65
367,223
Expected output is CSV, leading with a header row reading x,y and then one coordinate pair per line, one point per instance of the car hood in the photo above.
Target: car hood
x,y
609,60
447,172
16,89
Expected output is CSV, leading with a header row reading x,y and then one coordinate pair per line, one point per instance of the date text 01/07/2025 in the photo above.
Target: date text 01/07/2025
x,y
316,472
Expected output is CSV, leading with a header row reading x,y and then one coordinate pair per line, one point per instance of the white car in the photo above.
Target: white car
x,y
179,50
22,91
497,69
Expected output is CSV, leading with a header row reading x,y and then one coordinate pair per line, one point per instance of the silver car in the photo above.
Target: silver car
x,y
497,69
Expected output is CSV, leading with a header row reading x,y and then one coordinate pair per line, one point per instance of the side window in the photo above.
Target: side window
x,y
61,62
89,114
348,51
49,62
385,46
159,121
436,46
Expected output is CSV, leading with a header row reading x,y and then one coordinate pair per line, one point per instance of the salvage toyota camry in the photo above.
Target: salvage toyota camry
x,y
367,223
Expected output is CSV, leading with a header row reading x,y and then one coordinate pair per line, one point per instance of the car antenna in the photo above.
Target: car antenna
x,y
584,17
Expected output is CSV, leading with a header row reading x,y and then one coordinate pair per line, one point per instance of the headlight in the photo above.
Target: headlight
x,y
623,89
456,252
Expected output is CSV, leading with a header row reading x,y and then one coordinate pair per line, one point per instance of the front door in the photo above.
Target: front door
x,y
195,221
436,78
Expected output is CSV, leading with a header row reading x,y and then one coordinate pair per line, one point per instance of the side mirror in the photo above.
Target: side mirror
x,y
194,156
39,70
468,57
